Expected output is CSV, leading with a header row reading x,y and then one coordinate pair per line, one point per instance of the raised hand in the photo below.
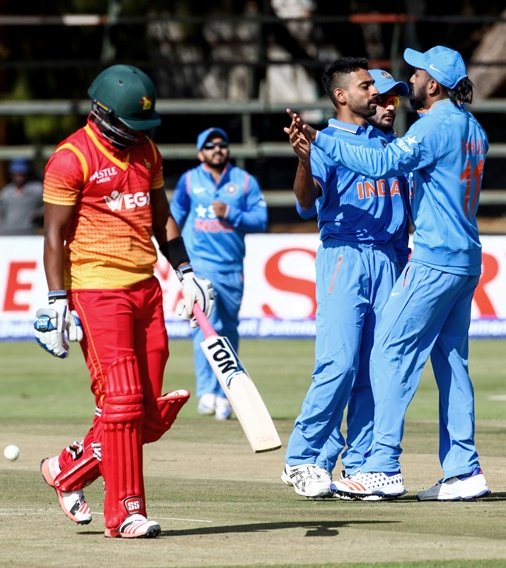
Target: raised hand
x,y
301,126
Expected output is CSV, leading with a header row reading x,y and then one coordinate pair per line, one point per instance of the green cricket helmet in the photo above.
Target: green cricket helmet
x,y
124,96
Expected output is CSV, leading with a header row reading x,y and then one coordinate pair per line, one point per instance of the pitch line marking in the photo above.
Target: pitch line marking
x,y
23,512
497,397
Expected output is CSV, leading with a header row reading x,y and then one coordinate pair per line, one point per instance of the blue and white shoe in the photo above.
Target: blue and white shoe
x,y
375,486
222,410
207,404
459,488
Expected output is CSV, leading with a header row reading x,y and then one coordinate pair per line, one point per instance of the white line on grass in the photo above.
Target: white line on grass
x,y
497,397
23,512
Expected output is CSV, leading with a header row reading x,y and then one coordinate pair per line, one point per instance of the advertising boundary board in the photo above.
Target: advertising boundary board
x,y
279,296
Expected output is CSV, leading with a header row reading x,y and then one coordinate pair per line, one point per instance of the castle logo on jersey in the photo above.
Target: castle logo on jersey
x,y
119,201
101,176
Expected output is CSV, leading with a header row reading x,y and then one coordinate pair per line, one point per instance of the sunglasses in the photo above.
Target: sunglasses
x,y
211,145
388,100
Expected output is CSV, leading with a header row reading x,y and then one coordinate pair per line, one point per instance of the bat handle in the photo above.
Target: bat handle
x,y
204,324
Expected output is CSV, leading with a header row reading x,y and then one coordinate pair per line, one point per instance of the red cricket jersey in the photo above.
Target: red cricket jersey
x,y
108,243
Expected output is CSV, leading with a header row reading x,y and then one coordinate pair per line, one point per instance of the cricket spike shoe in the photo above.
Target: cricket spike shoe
x,y
349,496
135,526
72,503
375,486
308,480
459,488
207,404
223,410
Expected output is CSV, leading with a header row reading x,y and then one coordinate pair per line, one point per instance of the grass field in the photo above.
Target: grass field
x,y
221,505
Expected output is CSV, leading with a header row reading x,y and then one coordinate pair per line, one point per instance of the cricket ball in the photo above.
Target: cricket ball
x,y
11,452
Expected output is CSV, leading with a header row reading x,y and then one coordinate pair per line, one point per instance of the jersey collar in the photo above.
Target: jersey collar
x,y
350,127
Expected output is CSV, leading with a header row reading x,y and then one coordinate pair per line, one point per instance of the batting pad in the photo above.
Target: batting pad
x,y
160,419
122,416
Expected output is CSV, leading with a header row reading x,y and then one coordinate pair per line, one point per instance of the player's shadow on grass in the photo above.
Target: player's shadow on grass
x,y
314,528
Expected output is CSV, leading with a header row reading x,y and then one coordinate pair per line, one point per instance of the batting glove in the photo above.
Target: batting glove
x,y
56,325
195,289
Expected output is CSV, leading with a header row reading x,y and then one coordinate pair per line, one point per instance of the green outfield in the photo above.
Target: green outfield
x,y
218,503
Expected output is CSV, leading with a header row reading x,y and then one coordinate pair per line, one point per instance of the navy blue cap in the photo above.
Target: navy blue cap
x,y
384,82
445,65
19,166
203,137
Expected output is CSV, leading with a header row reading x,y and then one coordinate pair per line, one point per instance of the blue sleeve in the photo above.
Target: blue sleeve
x,y
305,214
400,157
180,202
253,218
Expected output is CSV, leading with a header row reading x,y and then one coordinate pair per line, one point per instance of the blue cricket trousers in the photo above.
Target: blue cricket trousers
x,y
428,313
353,282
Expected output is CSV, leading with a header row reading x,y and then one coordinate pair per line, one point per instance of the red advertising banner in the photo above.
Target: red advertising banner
x,y
279,298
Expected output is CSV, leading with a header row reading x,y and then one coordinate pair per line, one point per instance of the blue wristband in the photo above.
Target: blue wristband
x,y
54,295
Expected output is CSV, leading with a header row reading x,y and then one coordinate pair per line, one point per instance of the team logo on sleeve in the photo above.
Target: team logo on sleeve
x,y
406,143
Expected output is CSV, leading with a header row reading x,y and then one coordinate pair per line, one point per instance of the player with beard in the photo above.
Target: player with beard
x,y
216,204
429,310
359,220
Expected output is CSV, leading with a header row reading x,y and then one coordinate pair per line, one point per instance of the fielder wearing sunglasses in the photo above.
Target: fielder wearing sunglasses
x,y
212,145
388,100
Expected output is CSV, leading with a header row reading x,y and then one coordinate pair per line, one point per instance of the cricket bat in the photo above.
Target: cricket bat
x,y
241,391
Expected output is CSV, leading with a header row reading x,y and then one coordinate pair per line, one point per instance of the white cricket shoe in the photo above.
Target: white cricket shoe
x,y
349,496
72,503
222,410
135,526
207,404
459,488
308,480
375,486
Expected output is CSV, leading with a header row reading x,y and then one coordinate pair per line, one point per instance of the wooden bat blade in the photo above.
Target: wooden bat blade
x,y
242,393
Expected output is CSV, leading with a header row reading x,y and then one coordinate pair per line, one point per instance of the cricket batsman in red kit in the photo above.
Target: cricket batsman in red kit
x,y
104,203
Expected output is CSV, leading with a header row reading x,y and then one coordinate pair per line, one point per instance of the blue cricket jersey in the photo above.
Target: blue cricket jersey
x,y
354,207
445,151
213,242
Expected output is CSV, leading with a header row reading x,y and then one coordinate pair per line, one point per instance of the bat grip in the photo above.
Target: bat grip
x,y
204,324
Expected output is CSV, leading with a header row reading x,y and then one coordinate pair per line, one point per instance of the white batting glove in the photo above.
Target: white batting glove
x,y
56,325
195,289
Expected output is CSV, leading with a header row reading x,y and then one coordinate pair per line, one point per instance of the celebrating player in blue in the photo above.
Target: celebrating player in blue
x,y
429,309
216,204
360,220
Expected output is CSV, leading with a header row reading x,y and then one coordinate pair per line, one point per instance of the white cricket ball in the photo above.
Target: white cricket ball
x,y
11,452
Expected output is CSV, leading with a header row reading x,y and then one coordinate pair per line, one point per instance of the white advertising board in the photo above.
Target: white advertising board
x,y
279,288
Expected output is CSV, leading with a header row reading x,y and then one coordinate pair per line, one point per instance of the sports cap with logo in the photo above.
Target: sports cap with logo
x,y
384,82
203,137
128,94
445,65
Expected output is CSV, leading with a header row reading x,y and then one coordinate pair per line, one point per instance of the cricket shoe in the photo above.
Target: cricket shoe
x,y
222,410
308,480
207,404
349,496
135,526
376,486
72,503
459,488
